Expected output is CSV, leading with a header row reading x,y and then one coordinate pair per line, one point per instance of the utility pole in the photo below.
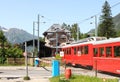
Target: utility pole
x,y
96,34
95,16
77,32
56,42
38,36
33,41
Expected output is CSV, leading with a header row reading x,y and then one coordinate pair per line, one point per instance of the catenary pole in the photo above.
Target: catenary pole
x,y
38,36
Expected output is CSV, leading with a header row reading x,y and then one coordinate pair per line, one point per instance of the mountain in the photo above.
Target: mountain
x,y
116,21
15,35
3,29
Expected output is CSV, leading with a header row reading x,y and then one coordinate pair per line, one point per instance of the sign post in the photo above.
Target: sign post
x,y
26,62
26,59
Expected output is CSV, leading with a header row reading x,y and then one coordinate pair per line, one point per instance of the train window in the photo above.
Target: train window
x,y
69,50
75,51
79,51
117,51
101,51
82,50
95,50
65,51
78,48
85,49
108,51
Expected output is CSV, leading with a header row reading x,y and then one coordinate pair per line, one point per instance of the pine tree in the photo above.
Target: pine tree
x,y
106,26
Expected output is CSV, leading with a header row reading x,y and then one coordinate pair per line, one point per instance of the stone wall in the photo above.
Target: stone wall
x,y
19,61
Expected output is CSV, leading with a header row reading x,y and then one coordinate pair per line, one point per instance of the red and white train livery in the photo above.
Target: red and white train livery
x,y
98,53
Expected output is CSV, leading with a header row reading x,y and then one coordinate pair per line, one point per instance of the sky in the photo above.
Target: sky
x,y
21,13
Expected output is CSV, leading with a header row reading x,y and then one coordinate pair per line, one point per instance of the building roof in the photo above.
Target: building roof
x,y
56,28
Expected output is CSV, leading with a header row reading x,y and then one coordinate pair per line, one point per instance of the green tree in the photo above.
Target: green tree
x,y
8,50
106,26
15,51
66,26
3,40
75,32
42,39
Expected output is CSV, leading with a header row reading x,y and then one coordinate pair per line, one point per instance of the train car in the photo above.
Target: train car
x,y
106,55
80,52
100,53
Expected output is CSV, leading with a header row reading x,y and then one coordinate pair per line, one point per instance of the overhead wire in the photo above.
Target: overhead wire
x,y
86,19
97,13
115,4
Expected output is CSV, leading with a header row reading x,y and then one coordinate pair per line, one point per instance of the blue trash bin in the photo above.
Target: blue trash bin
x,y
55,68
36,62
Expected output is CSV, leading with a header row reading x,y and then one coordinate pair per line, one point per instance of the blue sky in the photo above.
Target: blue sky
x,y
21,13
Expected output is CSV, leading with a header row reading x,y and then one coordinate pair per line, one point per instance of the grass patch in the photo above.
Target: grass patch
x,y
81,78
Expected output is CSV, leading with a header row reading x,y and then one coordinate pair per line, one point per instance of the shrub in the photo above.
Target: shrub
x,y
26,78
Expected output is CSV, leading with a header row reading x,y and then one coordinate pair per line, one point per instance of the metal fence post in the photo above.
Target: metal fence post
x,y
95,68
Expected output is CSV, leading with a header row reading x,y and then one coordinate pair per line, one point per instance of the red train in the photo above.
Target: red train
x,y
99,53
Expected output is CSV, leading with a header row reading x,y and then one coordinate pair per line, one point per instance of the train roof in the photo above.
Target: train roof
x,y
89,40
94,42
111,40
69,45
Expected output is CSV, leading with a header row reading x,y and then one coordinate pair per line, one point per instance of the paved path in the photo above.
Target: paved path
x,y
16,74
39,74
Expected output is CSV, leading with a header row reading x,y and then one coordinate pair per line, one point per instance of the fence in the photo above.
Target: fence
x,y
100,68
